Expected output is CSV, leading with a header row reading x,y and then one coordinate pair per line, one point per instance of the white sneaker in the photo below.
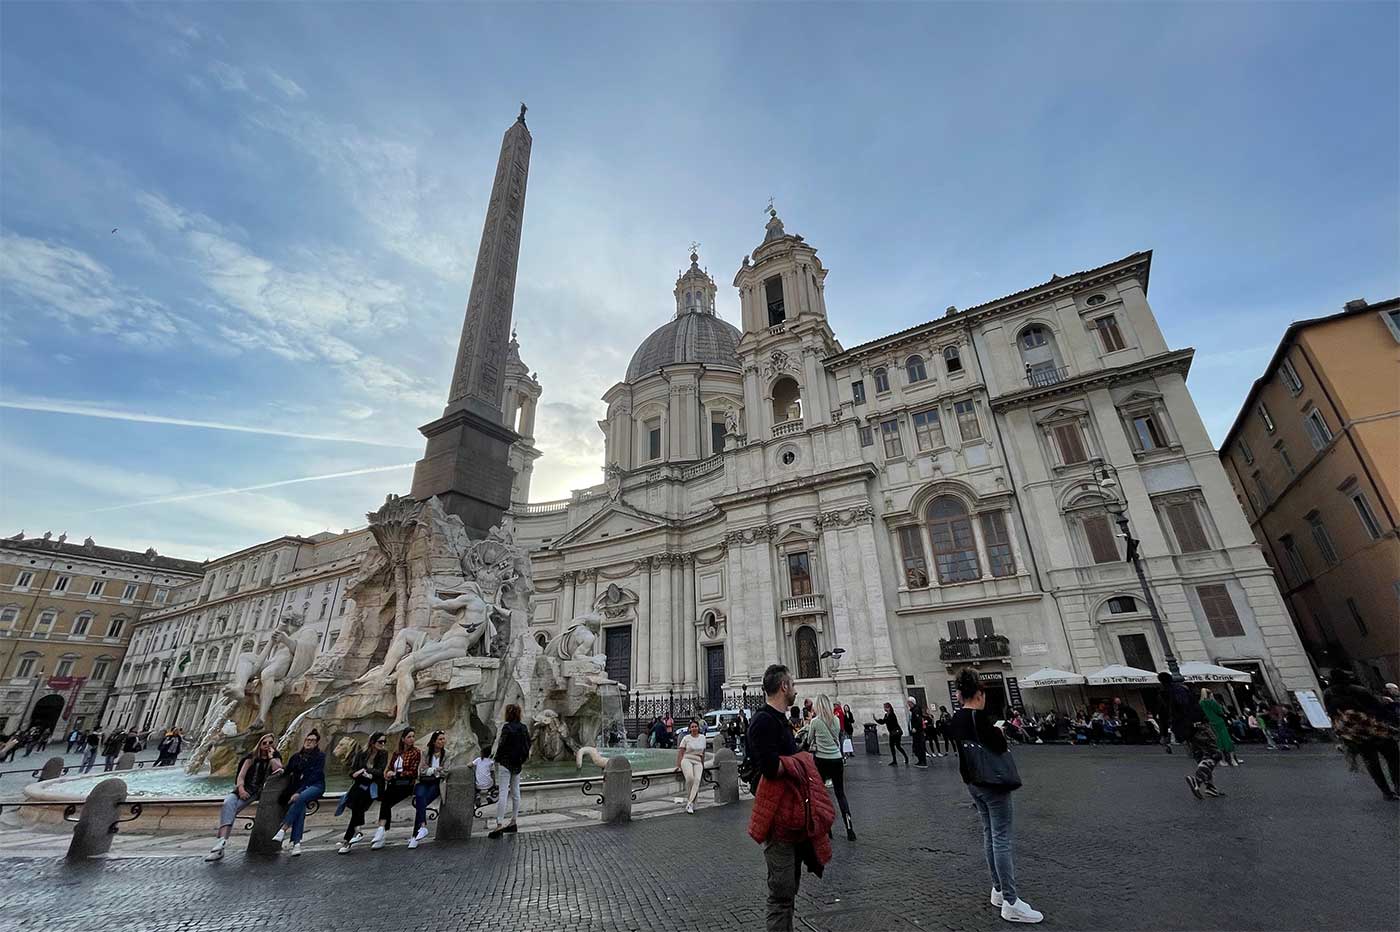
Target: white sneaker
x,y
216,855
690,808
421,834
996,898
218,845
413,842
1020,911
378,839
344,848
359,837
281,834
296,850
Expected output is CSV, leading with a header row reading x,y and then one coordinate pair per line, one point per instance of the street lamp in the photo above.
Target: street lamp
x,y
164,672
1107,478
833,659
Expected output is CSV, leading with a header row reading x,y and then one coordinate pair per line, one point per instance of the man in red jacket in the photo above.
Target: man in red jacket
x,y
792,813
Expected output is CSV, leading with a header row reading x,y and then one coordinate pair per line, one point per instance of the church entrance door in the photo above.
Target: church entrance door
x,y
714,676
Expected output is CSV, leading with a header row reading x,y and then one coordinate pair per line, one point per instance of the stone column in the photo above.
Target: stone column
x,y
592,589
661,623
641,674
690,663
566,604
96,826
840,597
875,609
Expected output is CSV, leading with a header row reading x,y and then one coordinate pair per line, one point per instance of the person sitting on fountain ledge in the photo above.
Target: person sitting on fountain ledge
x,y
399,777
306,783
512,750
253,771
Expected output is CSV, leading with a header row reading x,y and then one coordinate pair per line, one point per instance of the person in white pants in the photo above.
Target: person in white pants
x,y
690,761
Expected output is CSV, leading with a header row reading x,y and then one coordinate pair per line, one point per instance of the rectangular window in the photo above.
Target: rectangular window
x,y
716,437
1325,546
799,574
957,629
1148,432
911,549
653,440
24,580
7,618
1220,611
25,668
100,669
1266,418
1186,525
64,668
81,625
1368,517
928,430
1069,441
114,627
61,583
45,622
894,447
129,592
983,627
1109,334
882,381
1289,377
162,595
1318,432
1265,495
858,392
1136,653
1391,319
1286,460
867,436
1295,558
998,542
773,289
1356,617
968,427
1246,452
1099,533
97,586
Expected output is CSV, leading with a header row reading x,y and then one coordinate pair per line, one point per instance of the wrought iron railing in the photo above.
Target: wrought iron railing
x,y
982,647
1038,378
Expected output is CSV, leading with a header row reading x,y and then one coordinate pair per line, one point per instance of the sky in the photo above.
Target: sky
x,y
236,240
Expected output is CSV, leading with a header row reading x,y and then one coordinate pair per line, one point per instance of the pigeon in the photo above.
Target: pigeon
x,y
114,229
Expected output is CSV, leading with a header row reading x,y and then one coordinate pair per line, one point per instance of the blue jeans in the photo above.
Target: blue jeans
x,y
296,812
994,806
423,794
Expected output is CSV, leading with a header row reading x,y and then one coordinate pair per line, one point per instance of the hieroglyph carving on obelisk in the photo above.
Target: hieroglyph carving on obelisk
x,y
481,355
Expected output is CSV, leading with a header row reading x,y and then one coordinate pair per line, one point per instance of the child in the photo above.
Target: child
x,y
485,769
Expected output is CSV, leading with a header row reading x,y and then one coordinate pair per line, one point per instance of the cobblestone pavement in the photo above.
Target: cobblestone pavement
x,y
1106,838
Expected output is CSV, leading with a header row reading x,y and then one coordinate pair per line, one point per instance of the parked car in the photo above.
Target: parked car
x,y
715,722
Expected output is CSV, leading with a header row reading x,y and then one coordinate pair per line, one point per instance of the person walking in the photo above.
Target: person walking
x,y
1216,716
916,732
252,772
74,737
367,767
786,847
399,777
91,743
1188,725
429,784
690,761
976,736
306,782
112,749
512,750
824,738
896,732
1362,724
940,729
169,747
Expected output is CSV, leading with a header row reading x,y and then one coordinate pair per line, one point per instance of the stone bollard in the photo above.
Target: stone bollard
x,y
96,826
617,790
457,805
726,777
127,761
52,769
269,816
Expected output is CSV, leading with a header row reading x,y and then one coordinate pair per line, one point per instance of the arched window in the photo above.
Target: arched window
x,y
809,664
914,366
1032,337
954,547
1037,347
882,380
787,401
952,359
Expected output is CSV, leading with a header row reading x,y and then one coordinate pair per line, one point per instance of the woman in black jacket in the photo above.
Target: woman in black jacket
x,y
972,726
891,723
367,775
512,750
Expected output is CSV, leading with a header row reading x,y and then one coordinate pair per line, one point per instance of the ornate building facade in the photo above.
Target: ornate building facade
x,y
880,516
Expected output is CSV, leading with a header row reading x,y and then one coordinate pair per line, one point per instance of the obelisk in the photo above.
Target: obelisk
x,y
466,464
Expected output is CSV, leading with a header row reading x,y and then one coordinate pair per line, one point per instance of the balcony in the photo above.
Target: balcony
x,y
983,647
198,679
1039,378
777,329
787,428
811,604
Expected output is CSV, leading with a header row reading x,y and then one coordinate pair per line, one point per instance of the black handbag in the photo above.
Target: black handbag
x,y
988,769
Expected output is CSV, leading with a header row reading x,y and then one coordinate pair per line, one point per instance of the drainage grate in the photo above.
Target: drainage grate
x,y
856,919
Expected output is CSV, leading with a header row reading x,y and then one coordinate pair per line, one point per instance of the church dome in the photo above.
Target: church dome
x,y
689,338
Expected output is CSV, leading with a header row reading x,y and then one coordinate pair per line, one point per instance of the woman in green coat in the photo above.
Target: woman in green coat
x,y
1215,715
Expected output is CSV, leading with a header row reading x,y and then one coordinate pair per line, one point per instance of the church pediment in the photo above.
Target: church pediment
x,y
1061,414
616,520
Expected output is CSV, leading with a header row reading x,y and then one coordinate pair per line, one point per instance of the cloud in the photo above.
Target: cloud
x,y
229,77
211,493
286,85
81,409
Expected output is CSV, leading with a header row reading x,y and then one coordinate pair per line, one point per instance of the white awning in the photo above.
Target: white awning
x,y
1051,677
1117,673
1197,671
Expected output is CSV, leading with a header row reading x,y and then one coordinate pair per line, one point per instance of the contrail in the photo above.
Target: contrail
x,y
251,488
82,410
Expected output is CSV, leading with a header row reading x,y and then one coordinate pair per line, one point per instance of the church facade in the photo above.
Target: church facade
x,y
881,516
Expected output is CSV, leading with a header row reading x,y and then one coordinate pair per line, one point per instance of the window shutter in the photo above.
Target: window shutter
x,y
1102,546
1186,524
957,629
1071,444
1220,611
983,626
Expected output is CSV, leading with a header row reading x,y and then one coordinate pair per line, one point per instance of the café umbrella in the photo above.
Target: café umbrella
x,y
1117,674
1050,677
1196,671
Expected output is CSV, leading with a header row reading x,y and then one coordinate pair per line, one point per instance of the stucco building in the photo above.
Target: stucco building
x,y
1312,455
67,614
920,502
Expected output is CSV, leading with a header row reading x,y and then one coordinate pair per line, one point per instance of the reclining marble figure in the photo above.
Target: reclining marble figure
x,y
281,660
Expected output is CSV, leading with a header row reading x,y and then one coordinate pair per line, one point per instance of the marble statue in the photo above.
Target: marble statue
x,y
282,659
577,640
548,737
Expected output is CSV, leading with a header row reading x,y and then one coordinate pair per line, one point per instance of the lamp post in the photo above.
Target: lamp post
x,y
164,672
833,660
